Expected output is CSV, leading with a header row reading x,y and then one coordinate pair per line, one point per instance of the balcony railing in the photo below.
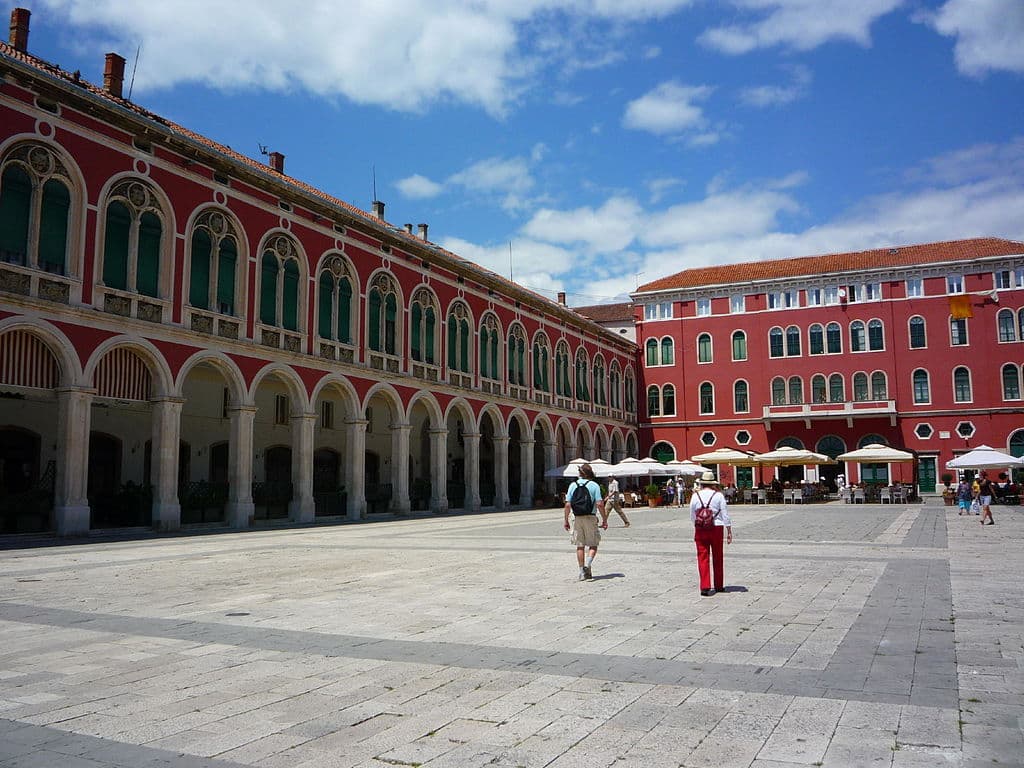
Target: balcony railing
x,y
847,409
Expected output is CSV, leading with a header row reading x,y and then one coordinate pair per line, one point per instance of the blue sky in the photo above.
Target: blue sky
x,y
610,142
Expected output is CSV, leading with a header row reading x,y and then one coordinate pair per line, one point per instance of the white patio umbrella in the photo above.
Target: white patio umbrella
x,y
631,467
791,457
985,457
685,467
571,470
876,453
730,456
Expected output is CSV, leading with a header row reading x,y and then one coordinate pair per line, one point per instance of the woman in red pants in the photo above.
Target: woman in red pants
x,y
709,514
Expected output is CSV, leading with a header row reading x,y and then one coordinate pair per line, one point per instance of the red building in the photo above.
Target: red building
x,y
188,335
917,347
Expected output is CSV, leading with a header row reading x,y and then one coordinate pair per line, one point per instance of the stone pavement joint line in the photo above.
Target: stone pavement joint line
x,y
848,636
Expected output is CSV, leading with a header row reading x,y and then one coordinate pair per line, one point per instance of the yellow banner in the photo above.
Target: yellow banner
x,y
960,307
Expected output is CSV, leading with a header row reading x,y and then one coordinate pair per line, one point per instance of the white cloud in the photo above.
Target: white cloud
x,y
989,34
668,109
778,95
531,263
610,228
418,187
398,54
799,24
657,188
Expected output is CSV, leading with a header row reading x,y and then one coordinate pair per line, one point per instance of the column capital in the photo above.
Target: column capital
x,y
73,390
304,416
500,439
442,431
242,409
169,399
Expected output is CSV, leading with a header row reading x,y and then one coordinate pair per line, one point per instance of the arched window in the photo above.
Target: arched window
x,y
792,341
858,343
962,385
652,352
922,389
819,393
600,396
739,345
488,352
35,209
740,397
879,386
876,336
563,384
1007,326
458,337
629,393
668,400
582,388
836,389
1020,323
860,387
213,264
918,337
1011,382
833,339
667,351
790,442
516,360
775,343
382,312
796,390
653,401
707,398
778,391
133,240
335,286
423,327
614,386
541,362
816,336
279,284
704,348
831,446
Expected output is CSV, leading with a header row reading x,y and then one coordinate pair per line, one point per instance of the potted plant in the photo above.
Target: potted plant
x,y
948,494
653,493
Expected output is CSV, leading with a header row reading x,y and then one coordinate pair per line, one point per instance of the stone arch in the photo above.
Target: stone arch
x,y
59,345
158,367
288,377
584,441
227,367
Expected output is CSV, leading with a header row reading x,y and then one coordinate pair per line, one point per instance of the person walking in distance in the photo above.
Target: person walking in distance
x,y
985,498
584,501
709,514
615,500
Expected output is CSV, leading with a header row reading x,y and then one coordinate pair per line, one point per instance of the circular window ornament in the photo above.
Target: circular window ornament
x,y
141,167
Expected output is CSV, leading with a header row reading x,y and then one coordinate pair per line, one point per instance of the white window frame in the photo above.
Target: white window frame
x,y
814,297
737,304
915,287
703,307
831,295
998,281
954,285
967,332
1018,277
872,291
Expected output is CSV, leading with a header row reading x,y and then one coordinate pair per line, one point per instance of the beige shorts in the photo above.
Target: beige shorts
x,y
585,531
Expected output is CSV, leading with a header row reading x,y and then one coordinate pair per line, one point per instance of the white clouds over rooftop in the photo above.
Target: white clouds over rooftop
x,y
989,33
668,109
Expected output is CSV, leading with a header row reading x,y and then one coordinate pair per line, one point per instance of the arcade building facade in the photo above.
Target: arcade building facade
x,y
190,336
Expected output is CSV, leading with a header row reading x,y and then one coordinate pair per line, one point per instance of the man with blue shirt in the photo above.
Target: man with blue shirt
x,y
583,500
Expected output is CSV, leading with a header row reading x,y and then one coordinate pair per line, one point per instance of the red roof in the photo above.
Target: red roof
x,y
880,258
607,313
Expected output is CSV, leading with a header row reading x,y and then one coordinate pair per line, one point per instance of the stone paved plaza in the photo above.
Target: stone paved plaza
x,y
848,636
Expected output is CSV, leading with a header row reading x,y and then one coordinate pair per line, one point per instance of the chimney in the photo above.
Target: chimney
x,y
378,209
19,29
277,161
408,228
561,298
113,75
423,231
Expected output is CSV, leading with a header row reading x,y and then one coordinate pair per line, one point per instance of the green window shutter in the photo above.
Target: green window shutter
x,y
494,355
326,305
373,324
268,289
414,337
464,343
226,266
115,246
199,282
390,319
53,228
483,354
431,331
521,357
15,207
147,276
536,367
290,315
545,384
452,336
344,311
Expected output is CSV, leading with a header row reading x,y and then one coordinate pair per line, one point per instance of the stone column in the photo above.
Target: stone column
x,y
439,470
471,451
550,462
71,488
526,473
165,456
302,508
355,470
400,504
500,472
240,510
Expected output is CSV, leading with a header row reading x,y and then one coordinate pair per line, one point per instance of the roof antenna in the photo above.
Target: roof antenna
x,y
135,66
373,173
263,148
510,261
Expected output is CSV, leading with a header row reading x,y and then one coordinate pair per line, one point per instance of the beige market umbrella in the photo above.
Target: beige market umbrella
x,y
984,457
790,457
731,456
876,453
685,467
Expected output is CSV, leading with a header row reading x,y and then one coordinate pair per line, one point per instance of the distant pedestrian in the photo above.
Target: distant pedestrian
x,y
709,513
584,501
615,500
963,497
985,499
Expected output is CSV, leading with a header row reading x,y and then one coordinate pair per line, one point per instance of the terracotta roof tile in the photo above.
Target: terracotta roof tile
x,y
607,313
776,269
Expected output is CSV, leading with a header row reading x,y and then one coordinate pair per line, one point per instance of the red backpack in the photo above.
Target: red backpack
x,y
704,517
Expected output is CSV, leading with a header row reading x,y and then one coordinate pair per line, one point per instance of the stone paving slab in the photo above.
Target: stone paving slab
x,y
849,636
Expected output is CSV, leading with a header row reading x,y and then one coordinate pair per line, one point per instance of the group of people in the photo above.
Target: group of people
x,y
976,498
709,513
